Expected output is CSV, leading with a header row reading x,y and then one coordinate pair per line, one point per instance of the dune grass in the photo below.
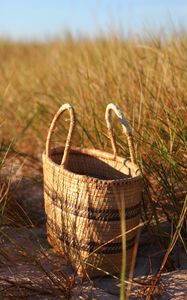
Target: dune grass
x,y
145,77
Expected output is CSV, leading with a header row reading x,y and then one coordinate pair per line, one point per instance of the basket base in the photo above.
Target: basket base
x,y
88,265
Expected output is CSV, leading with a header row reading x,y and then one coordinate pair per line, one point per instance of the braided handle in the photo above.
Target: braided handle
x,y
126,129
71,111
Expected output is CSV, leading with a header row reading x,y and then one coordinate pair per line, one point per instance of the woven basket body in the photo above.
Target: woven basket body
x,y
84,203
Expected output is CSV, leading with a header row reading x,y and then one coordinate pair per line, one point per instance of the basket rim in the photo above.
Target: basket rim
x,y
97,154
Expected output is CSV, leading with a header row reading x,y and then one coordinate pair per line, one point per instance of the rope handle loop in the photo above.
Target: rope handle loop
x,y
125,126
71,111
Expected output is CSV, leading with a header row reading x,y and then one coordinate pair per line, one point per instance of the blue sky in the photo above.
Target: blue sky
x,y
28,19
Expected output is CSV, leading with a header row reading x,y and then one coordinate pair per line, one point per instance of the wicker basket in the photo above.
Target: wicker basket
x,y
85,191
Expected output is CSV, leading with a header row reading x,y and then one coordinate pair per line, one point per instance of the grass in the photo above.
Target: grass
x,y
4,183
146,77
172,244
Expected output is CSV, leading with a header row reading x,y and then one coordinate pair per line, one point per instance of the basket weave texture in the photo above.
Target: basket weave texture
x,y
85,192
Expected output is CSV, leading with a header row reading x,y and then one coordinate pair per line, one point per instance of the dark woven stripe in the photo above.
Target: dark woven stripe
x,y
110,248
89,212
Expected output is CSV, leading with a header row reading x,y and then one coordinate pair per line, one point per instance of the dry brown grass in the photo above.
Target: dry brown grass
x,y
146,78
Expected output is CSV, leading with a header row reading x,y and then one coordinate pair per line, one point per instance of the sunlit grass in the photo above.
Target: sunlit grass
x,y
145,77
